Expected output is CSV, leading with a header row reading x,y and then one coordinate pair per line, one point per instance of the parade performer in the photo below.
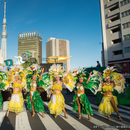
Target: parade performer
x,y
3,83
109,102
57,102
35,103
16,103
80,101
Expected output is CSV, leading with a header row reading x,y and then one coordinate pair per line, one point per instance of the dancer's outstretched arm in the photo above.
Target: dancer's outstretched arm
x,y
68,74
89,77
123,76
41,74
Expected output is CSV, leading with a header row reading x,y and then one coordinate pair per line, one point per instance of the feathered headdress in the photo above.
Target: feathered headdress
x,y
119,80
79,73
56,69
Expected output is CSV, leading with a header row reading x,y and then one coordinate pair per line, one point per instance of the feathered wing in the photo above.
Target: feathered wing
x,y
22,76
119,81
95,82
45,82
4,80
70,81
29,78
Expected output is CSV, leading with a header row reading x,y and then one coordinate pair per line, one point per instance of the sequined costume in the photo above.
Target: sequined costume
x,y
105,106
16,102
37,101
84,102
57,101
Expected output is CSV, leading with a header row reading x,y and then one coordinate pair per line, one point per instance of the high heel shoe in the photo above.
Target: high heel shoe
x,y
79,116
109,118
16,113
43,115
7,114
33,115
66,116
120,118
89,117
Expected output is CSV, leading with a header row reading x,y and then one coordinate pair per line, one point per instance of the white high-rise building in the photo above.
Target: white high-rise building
x,y
4,35
115,18
58,47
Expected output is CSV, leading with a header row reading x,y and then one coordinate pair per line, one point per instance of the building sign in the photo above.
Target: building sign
x,y
19,59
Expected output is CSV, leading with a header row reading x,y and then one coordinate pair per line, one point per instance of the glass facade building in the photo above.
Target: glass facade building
x,y
30,41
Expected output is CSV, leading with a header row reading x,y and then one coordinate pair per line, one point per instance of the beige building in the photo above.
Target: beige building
x,y
30,41
115,18
58,47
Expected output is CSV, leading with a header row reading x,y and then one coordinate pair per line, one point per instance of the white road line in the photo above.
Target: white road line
x,y
114,120
95,121
119,122
74,123
125,107
5,105
2,115
48,122
22,121
122,115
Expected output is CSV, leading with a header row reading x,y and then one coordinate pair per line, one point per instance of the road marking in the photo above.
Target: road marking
x,y
48,122
114,120
125,107
3,112
74,123
122,115
119,122
95,121
2,115
22,121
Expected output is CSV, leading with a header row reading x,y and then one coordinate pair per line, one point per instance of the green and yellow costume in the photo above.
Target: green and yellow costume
x,y
37,101
84,102
57,102
16,102
105,106
3,83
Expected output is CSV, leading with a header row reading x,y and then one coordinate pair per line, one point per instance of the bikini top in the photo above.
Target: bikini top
x,y
108,88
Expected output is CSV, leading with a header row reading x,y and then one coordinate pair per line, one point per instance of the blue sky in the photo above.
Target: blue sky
x,y
75,20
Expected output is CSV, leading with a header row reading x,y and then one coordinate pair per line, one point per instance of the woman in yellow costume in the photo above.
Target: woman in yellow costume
x,y
16,103
109,102
57,102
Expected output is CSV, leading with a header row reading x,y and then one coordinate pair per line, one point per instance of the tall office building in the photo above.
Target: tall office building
x,y
115,17
58,47
30,41
4,35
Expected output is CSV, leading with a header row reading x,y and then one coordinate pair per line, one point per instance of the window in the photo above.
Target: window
x,y
126,13
117,29
124,2
115,18
127,49
116,41
119,52
114,7
127,37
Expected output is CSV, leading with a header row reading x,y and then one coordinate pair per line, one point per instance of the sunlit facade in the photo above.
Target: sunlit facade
x,y
30,41
115,18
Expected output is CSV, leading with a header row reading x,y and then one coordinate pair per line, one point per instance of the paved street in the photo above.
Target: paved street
x,y
24,121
